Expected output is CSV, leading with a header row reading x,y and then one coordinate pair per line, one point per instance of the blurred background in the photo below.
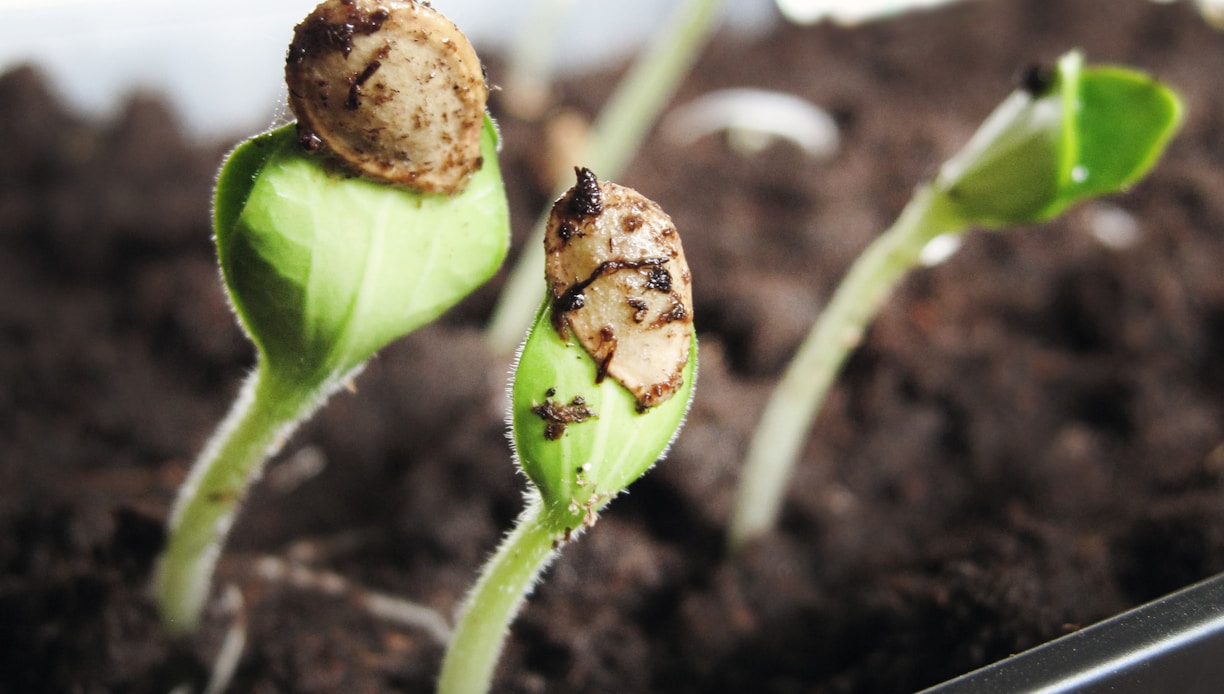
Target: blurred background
x,y
219,62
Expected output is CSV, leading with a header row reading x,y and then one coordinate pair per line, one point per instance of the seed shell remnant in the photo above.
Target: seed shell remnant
x,y
620,286
390,87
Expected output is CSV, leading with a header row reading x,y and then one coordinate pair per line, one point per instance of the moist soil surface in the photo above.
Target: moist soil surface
x,y
1027,442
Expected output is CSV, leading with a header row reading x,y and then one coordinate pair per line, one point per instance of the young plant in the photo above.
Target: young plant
x,y
600,390
1066,134
379,210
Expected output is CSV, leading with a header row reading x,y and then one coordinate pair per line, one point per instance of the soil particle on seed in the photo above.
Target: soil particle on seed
x,y
558,416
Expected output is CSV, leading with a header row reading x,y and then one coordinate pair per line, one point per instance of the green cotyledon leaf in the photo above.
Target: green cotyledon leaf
x,y
1123,122
325,268
1076,133
579,439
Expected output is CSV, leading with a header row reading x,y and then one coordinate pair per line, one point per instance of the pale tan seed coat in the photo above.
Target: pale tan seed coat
x,y
392,88
627,269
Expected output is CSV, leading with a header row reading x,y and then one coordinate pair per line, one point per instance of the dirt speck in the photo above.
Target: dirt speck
x,y
557,416
585,199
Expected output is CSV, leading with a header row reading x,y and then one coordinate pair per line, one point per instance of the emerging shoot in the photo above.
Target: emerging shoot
x,y
325,268
600,390
1065,135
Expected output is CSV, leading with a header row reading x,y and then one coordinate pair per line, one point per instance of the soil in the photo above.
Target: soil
x,y
1028,441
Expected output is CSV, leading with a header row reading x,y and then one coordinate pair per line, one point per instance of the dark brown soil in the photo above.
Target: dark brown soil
x,y
1028,442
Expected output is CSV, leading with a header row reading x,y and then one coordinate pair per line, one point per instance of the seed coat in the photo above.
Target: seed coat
x,y
620,286
390,87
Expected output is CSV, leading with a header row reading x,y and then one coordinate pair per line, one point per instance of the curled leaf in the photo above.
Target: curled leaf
x,y
324,269
1074,133
579,440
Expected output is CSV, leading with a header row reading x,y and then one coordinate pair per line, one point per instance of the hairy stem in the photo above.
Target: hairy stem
x,y
264,415
617,136
789,414
496,599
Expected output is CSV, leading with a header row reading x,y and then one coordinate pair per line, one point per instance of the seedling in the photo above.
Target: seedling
x,y
381,208
1064,135
600,389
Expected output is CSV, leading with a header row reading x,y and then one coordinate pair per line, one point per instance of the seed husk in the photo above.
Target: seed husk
x,y
391,88
620,286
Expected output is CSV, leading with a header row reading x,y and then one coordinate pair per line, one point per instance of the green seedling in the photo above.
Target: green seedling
x,y
600,390
327,250
1065,135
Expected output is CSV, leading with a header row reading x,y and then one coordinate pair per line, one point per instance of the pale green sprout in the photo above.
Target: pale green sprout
x,y
573,478
323,269
581,436
1072,134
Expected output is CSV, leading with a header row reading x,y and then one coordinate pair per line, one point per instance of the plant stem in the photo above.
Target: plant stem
x,y
264,415
529,73
616,137
503,586
789,414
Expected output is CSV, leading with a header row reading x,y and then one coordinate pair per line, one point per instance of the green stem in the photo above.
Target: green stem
x,y
788,417
495,601
529,72
616,137
640,97
264,415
